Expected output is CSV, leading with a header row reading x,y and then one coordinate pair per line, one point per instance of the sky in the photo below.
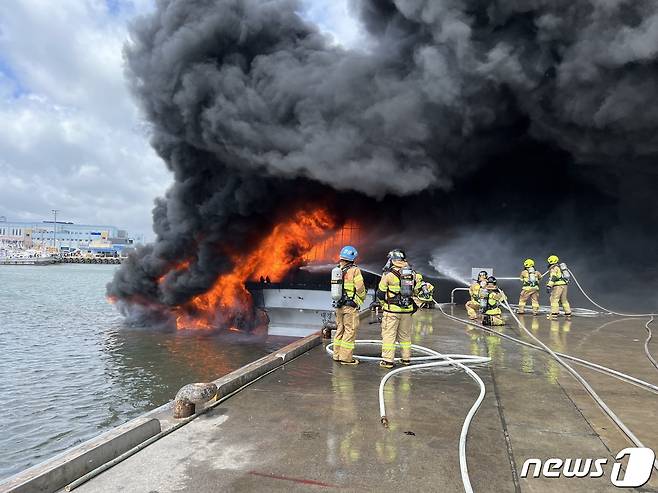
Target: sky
x,y
71,135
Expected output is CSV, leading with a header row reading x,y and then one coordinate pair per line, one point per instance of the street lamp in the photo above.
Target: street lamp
x,y
54,211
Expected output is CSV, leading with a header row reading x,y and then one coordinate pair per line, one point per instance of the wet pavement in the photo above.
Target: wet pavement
x,y
314,425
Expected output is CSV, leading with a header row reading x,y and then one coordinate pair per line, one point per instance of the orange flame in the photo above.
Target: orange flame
x,y
290,244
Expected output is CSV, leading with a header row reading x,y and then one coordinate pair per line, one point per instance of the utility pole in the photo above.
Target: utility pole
x,y
54,211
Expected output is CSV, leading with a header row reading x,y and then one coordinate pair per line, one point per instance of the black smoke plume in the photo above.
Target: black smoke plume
x,y
465,130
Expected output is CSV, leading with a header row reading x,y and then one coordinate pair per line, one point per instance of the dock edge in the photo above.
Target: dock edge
x,y
59,471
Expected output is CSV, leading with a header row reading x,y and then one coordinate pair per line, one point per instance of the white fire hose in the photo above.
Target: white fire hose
x,y
456,360
631,315
459,360
436,359
646,343
593,366
582,381
620,424
651,316
607,310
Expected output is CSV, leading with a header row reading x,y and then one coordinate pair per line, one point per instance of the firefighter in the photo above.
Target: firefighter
x,y
493,315
395,291
557,288
473,305
529,287
425,296
347,307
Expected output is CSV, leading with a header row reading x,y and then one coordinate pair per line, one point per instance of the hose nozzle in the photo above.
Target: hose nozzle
x,y
385,422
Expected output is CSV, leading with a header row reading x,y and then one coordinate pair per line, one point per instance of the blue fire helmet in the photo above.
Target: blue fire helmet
x,y
348,253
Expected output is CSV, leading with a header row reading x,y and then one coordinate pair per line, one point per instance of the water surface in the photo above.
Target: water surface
x,y
70,368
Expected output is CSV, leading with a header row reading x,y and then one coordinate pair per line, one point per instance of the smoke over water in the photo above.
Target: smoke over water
x,y
468,128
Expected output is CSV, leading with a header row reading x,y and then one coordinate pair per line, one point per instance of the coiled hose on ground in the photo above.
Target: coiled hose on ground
x,y
436,359
459,360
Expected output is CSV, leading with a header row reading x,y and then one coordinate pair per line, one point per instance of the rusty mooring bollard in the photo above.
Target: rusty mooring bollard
x,y
183,409
189,396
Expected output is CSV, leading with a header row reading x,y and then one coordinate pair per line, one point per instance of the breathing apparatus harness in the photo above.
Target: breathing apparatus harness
x,y
491,300
531,281
407,279
339,296
482,296
563,279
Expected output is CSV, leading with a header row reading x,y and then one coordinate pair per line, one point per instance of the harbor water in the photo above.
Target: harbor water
x,y
70,368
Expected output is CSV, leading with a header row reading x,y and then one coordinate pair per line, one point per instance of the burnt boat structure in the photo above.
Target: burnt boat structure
x,y
300,304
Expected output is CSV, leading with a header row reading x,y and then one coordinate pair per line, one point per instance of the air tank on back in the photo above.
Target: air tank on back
x,y
531,275
406,282
336,283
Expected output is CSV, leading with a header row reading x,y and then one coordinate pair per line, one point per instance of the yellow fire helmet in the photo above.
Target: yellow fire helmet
x,y
527,263
552,260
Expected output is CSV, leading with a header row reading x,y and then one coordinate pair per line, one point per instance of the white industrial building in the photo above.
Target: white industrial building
x,y
65,236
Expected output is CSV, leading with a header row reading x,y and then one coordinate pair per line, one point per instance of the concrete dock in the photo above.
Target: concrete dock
x,y
313,424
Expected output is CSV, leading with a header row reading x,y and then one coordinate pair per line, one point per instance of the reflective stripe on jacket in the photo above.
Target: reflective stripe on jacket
x,y
525,280
493,303
556,278
390,284
353,285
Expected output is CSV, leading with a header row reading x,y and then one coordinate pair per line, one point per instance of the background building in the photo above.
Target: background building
x,y
66,236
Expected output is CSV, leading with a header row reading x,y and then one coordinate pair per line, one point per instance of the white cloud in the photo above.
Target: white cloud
x,y
70,134
336,18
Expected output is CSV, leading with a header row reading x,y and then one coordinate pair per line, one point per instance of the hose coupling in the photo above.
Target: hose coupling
x,y
385,422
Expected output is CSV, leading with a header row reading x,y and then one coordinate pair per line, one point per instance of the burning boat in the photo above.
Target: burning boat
x,y
284,272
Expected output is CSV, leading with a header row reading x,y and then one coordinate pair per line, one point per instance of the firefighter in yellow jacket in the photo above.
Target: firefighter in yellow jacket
x,y
558,278
529,287
493,315
347,307
424,293
473,305
395,291
425,296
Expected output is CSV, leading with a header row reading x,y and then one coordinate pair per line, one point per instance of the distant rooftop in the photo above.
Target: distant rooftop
x,y
3,219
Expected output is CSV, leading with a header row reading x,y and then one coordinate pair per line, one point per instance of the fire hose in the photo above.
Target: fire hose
x,y
620,424
630,315
457,360
593,366
586,313
558,357
604,407
646,343
607,310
